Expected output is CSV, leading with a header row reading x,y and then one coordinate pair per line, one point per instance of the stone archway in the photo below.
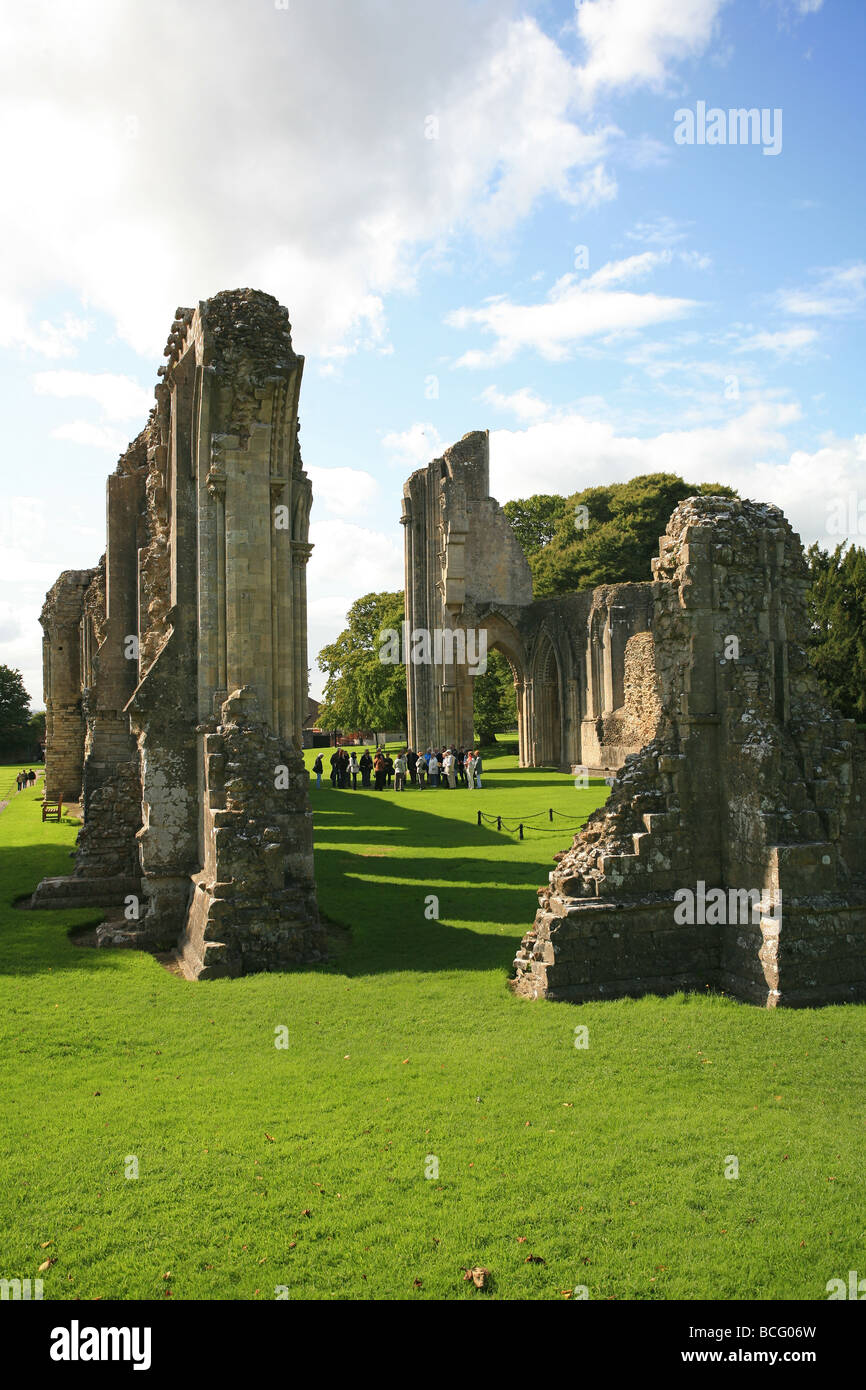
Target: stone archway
x,y
502,636
546,703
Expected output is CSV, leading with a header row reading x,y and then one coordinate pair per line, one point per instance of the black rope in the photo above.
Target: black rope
x,y
519,826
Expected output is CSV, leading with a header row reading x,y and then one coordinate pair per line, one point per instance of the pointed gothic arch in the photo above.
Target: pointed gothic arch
x,y
547,701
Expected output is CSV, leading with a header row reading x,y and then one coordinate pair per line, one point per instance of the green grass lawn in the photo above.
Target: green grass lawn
x,y
307,1166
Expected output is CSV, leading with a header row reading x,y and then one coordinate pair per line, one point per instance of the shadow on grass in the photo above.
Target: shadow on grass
x,y
366,877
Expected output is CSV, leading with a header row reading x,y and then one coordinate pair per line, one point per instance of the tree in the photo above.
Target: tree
x,y
534,520
494,701
837,613
14,709
363,691
601,535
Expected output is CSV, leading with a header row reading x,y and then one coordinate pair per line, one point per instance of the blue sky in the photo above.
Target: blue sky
x,y
478,217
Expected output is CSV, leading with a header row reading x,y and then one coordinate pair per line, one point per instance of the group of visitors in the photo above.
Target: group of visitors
x,y
438,767
25,779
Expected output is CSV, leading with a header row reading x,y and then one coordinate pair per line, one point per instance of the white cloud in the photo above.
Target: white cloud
x,y
10,625
798,9
93,436
347,561
346,190
631,43
659,231
38,539
750,453
344,492
576,310
355,560
44,339
120,397
573,451
524,403
835,292
413,447
695,260
784,343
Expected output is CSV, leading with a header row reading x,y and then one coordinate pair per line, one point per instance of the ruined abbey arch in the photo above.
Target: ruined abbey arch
x,y
570,655
176,668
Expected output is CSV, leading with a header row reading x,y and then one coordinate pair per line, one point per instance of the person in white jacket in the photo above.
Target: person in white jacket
x,y
400,766
449,767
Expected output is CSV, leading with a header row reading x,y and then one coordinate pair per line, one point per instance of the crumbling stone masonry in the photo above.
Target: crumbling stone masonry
x,y
748,783
569,655
176,671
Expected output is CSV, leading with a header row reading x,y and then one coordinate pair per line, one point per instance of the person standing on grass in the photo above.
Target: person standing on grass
x,y
421,770
400,772
411,764
379,770
433,770
366,766
318,769
335,768
353,771
477,767
449,767
469,769
31,777
389,770
461,769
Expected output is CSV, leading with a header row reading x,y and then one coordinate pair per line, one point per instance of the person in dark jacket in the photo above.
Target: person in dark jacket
x,y
411,764
365,763
379,770
389,770
318,769
335,768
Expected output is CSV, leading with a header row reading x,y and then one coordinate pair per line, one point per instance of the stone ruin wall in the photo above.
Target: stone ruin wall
x,y
176,671
465,569
750,782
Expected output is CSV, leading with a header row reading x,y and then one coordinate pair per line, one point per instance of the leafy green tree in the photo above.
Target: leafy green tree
x,y
601,535
837,612
14,709
534,520
362,691
36,725
494,700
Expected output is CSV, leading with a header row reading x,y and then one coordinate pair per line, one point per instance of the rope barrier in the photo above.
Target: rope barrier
x,y
501,822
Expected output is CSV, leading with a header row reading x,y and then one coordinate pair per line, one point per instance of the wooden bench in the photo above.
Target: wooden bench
x,y
51,810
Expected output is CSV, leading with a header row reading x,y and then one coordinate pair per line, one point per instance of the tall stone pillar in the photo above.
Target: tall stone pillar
x,y
200,679
62,690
